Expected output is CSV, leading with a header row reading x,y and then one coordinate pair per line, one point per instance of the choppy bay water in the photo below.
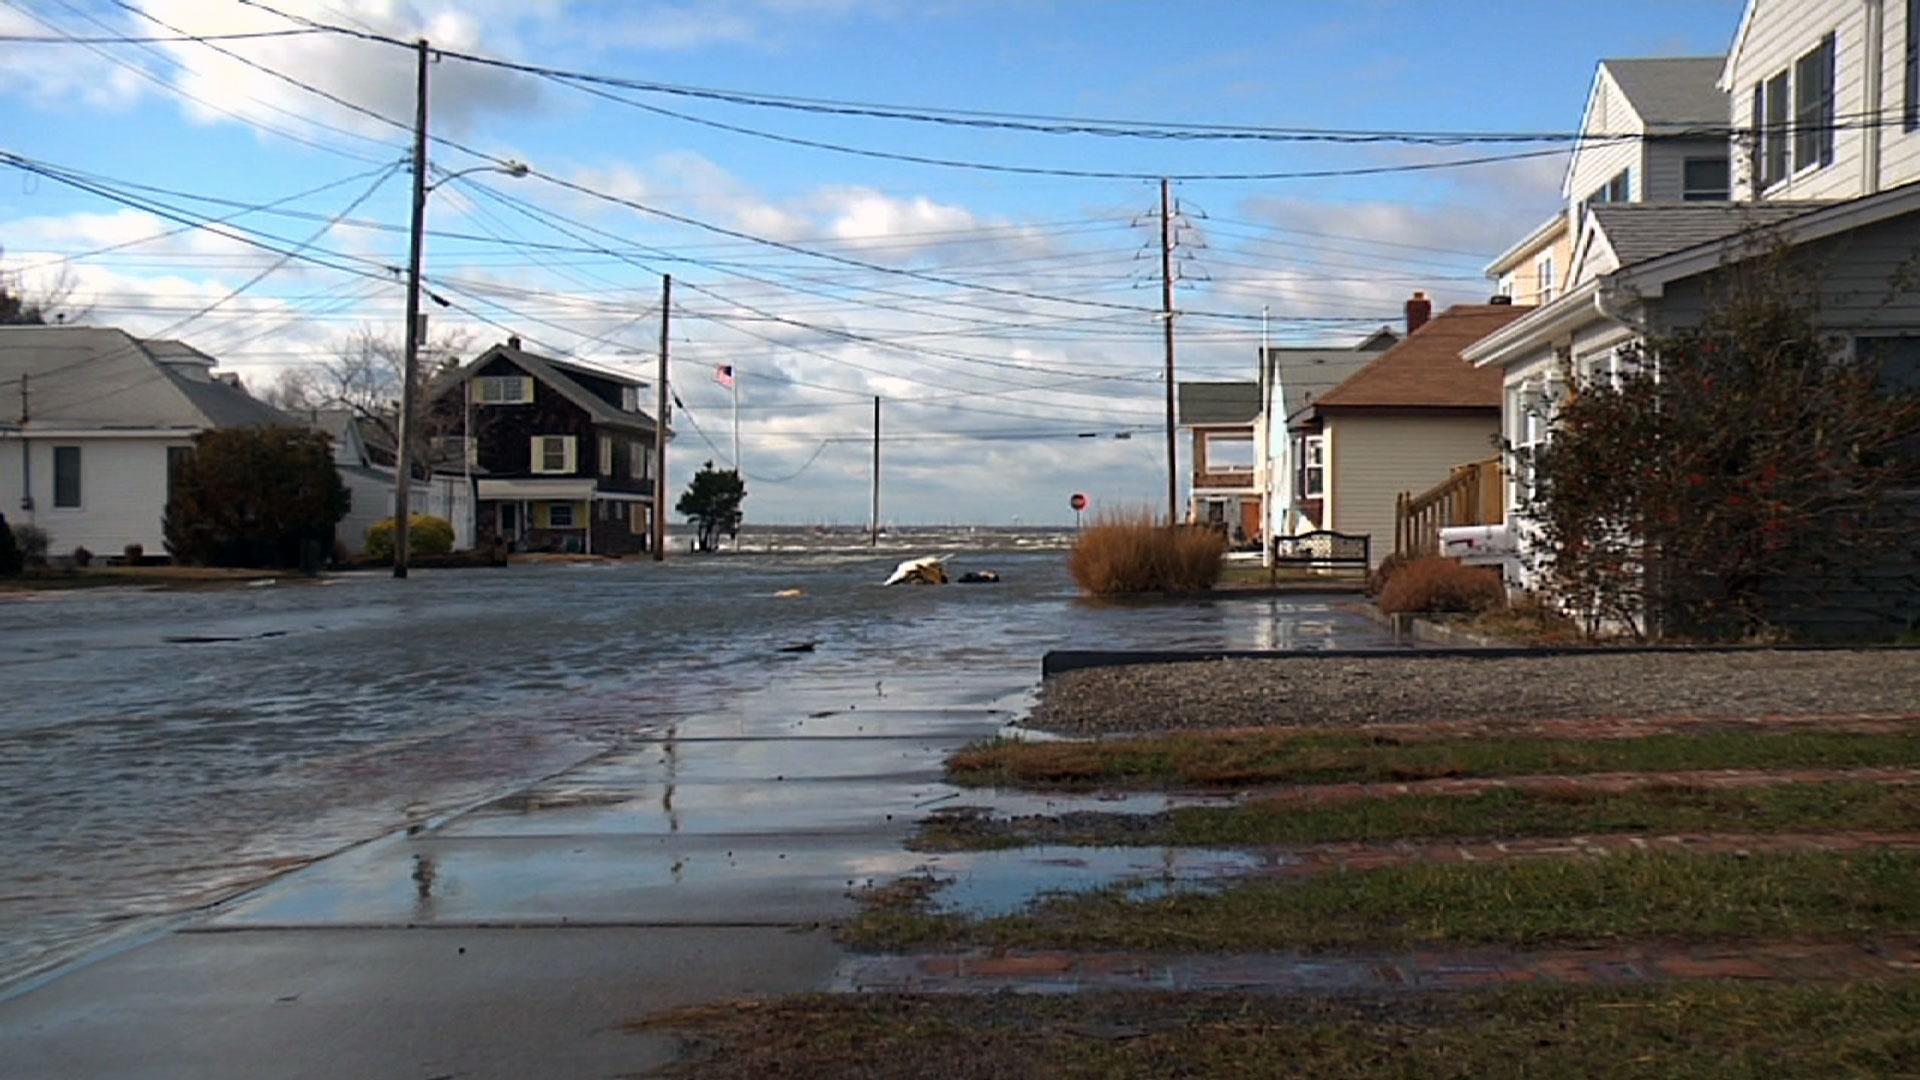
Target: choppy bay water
x,y
160,750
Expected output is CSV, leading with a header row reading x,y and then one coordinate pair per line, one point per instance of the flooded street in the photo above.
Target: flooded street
x,y
160,750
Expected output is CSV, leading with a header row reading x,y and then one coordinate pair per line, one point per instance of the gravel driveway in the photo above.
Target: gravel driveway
x,y
1412,689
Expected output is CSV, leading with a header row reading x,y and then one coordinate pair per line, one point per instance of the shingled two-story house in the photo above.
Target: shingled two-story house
x,y
562,454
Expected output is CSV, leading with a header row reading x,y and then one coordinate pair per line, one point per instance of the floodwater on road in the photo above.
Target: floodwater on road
x,y
160,750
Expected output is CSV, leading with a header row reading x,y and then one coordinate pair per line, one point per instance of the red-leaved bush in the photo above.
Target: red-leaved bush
x,y
1441,585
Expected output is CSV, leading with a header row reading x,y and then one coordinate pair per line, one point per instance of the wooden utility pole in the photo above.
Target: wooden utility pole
x,y
660,427
873,522
1166,318
409,367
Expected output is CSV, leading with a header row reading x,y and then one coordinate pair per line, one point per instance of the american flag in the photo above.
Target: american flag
x,y
723,374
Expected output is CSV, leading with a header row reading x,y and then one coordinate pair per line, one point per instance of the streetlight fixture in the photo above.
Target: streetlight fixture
x,y
403,454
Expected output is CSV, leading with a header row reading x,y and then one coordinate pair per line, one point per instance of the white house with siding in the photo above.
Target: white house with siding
x,y
1826,94
91,418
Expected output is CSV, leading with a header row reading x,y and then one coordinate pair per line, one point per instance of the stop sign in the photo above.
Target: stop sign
x,y
1078,502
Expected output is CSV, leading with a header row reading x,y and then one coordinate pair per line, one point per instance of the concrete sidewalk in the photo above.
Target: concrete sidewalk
x,y
516,939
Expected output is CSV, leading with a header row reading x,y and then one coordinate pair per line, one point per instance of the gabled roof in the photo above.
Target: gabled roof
x,y
1207,404
1673,92
1725,75
559,376
1543,234
98,378
1308,372
1637,232
1426,371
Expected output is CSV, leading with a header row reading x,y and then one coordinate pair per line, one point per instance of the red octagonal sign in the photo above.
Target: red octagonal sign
x,y
1078,502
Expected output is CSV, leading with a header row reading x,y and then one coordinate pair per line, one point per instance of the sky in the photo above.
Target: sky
x,y
1007,319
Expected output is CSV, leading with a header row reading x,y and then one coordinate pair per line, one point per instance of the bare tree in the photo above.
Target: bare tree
x,y
53,303
363,377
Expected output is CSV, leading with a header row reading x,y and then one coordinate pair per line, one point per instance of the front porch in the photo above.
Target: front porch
x,y
564,516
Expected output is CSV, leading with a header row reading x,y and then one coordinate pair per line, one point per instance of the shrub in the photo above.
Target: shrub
x,y
10,560
133,554
32,540
1131,552
1437,584
82,557
266,496
1389,566
426,535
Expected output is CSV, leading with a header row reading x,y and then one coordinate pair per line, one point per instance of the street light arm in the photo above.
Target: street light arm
x,y
515,169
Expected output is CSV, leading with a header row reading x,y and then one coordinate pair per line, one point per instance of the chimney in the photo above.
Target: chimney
x,y
513,342
1419,310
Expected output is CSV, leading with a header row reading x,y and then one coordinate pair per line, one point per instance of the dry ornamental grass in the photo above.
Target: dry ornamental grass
x,y
1131,552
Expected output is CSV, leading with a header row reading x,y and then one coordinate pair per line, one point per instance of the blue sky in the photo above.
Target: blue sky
x,y
987,391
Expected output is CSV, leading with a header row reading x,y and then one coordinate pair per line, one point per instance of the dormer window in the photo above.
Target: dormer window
x,y
503,389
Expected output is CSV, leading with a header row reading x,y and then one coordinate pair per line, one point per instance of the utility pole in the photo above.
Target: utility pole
x,y
660,427
403,455
873,523
1166,317
26,452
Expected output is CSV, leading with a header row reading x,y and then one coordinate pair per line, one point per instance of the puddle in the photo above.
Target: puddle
x,y
998,803
988,883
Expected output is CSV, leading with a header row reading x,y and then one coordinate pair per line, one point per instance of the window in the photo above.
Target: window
x,y
1899,361
606,455
1528,405
638,457
553,453
1620,187
1229,454
1543,272
1813,107
1911,120
630,398
1773,132
176,459
503,389
1705,180
1313,467
560,515
66,478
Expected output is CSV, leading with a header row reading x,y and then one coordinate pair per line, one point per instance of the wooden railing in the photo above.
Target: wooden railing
x,y
1471,496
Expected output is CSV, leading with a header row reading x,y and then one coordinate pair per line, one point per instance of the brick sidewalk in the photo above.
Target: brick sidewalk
x,y
983,971
1578,782
1310,859
1608,727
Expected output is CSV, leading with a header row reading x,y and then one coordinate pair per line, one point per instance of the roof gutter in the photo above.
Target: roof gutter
x,y
1543,324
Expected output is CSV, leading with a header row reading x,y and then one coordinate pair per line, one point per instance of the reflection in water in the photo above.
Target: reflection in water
x,y
138,776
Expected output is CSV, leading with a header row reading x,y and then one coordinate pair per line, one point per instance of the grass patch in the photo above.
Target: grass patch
x,y
1530,902
1712,1030
1658,809
1235,759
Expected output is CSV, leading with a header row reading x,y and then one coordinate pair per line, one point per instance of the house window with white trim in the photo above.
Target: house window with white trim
x,y
1770,121
66,478
606,455
503,389
1910,119
1528,406
560,515
553,453
1313,467
1543,273
1813,78
638,456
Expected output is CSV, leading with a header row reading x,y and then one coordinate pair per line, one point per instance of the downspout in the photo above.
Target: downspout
x,y
1874,87
26,455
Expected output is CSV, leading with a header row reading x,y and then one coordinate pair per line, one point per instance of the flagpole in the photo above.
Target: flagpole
x,y
738,469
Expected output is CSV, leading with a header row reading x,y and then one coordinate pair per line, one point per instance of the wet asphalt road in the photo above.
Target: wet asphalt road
x,y
714,779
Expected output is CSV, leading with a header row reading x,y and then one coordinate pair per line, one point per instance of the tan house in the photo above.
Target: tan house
x,y
1403,422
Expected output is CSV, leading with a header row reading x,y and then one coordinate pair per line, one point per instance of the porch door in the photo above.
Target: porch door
x,y
509,520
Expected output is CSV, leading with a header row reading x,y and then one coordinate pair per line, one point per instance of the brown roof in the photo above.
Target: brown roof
x,y
1425,370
